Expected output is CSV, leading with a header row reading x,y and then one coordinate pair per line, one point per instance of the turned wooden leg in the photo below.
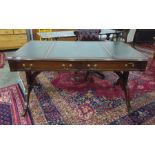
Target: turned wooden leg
x,y
26,106
123,81
30,77
127,96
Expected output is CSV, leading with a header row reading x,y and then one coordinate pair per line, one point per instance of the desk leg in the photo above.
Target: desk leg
x,y
123,81
30,77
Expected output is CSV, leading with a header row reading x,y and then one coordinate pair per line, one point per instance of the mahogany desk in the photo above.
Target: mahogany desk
x,y
37,56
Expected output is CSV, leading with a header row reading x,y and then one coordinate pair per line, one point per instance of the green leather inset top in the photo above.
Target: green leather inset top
x,y
98,50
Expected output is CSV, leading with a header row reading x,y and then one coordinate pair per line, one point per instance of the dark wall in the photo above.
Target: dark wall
x,y
144,35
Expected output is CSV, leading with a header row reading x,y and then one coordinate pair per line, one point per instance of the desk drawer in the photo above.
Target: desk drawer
x,y
45,65
101,65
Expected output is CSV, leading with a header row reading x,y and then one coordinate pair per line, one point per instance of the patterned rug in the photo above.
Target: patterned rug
x,y
11,105
145,48
65,98
2,59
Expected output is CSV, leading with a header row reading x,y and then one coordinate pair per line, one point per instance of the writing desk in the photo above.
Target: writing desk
x,y
37,56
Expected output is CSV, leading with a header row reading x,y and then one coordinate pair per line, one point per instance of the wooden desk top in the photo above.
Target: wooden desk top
x,y
79,55
79,50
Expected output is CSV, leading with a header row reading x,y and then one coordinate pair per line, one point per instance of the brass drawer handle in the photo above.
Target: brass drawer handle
x,y
64,67
92,67
70,65
95,65
24,65
130,65
88,65
27,67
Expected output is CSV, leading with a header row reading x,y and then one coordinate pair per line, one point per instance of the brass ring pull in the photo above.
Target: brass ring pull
x,y
27,67
70,65
88,65
64,67
95,65
130,65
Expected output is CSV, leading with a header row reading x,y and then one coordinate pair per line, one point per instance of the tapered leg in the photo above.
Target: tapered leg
x,y
30,77
123,81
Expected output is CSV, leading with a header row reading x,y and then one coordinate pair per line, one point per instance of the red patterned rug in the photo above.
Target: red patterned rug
x,y
60,99
11,105
2,59
145,48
